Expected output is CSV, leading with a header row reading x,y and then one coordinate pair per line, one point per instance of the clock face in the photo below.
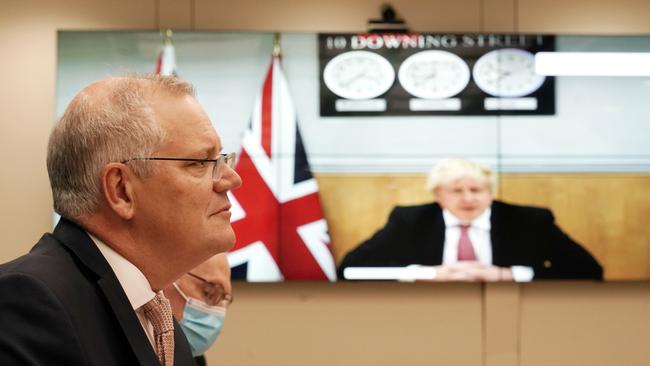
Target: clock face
x,y
358,75
507,72
434,74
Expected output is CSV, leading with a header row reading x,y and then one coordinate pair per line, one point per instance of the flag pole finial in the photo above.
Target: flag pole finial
x,y
167,36
276,44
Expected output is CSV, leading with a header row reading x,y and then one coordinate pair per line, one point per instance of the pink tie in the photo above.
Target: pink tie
x,y
159,313
465,249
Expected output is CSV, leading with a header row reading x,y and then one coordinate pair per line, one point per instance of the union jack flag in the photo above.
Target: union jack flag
x,y
276,214
166,61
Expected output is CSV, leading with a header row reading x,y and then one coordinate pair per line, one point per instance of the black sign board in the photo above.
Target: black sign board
x,y
433,74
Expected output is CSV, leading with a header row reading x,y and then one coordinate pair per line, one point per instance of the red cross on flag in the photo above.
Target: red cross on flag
x,y
276,214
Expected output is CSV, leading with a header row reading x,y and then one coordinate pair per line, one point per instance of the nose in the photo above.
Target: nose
x,y
229,180
467,195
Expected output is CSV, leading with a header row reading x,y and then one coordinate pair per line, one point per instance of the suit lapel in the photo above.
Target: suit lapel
x,y
501,251
128,321
182,352
436,235
80,244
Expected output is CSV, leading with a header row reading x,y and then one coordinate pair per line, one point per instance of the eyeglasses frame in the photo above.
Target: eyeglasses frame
x,y
228,159
227,297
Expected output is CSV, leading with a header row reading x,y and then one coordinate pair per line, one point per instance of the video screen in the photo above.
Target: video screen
x,y
414,157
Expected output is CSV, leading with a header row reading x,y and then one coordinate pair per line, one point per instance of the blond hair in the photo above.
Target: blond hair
x,y
108,121
448,170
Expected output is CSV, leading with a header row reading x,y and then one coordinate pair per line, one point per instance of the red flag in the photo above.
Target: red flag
x,y
277,216
166,61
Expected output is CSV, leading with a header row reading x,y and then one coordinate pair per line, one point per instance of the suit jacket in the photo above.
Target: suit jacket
x,y
520,235
61,304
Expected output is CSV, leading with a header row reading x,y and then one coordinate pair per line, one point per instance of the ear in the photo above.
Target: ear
x,y
436,192
117,187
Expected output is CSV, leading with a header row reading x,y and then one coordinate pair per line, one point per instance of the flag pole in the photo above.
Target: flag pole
x,y
167,36
166,61
276,45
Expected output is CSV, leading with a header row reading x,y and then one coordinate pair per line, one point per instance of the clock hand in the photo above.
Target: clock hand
x,y
354,78
433,75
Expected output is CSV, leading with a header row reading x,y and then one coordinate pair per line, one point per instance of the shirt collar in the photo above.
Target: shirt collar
x,y
135,284
482,222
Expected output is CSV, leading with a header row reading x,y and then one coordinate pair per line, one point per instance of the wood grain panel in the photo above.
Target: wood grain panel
x,y
334,16
596,324
337,324
501,329
584,16
607,213
175,14
499,16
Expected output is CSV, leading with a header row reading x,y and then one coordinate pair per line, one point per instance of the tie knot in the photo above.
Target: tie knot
x,y
464,227
159,312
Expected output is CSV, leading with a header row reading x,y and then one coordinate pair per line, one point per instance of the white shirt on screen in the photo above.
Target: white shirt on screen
x,y
479,235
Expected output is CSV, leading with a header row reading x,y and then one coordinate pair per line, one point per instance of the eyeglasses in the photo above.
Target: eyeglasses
x,y
215,294
217,164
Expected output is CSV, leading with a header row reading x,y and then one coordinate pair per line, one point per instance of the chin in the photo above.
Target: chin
x,y
469,216
224,241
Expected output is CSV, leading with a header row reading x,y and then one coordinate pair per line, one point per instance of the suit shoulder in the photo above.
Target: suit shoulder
x,y
51,264
46,252
415,211
425,207
27,304
520,209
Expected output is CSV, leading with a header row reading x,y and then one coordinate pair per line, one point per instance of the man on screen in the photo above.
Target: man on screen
x,y
141,186
468,236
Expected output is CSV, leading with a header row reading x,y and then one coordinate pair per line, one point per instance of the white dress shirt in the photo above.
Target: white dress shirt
x,y
479,235
135,284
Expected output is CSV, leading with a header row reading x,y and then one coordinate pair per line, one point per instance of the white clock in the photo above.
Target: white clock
x,y
434,74
358,75
508,72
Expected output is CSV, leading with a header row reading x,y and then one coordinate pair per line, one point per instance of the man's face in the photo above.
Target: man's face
x,y
465,197
179,208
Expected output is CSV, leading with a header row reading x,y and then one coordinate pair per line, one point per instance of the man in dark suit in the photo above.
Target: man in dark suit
x,y
468,236
138,178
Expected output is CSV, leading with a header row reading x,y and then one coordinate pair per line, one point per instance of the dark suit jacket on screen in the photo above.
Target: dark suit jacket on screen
x,y
520,235
61,304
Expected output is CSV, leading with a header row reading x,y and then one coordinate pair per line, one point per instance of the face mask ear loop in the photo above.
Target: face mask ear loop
x,y
180,292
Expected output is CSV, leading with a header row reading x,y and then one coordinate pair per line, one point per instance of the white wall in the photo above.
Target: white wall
x,y
600,122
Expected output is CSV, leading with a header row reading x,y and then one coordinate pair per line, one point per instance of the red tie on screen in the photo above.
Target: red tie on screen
x,y
465,249
159,312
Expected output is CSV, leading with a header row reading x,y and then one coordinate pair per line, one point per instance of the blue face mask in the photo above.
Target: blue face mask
x,y
201,323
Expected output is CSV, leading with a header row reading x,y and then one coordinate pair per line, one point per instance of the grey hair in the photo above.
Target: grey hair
x,y
448,170
108,121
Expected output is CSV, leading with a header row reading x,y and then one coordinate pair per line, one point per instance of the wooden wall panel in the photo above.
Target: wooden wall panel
x,y
499,16
596,324
335,15
584,16
501,324
371,323
175,14
607,213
